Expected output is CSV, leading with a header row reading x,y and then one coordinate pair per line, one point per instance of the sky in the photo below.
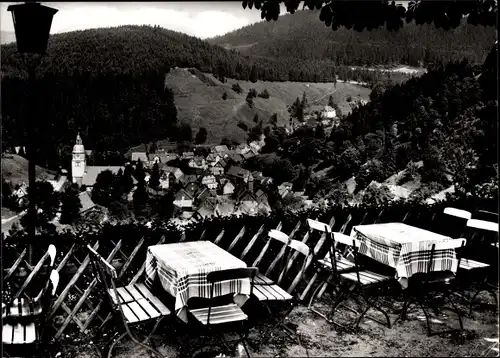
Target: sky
x,y
201,19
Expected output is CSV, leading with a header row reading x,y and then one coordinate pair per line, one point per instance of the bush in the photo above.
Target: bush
x,y
224,95
237,88
242,125
250,102
264,94
252,93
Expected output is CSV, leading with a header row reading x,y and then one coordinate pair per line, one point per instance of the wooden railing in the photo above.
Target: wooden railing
x,y
79,301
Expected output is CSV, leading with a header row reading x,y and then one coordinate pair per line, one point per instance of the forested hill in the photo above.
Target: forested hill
x,y
303,35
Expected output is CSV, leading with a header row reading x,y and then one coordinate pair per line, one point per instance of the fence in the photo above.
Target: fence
x,y
79,300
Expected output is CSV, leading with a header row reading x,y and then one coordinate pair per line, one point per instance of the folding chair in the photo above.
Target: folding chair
x,y
365,284
133,304
479,272
431,284
25,326
267,291
211,316
333,263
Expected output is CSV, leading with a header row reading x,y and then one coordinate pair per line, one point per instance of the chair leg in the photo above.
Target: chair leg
x,y
110,351
429,332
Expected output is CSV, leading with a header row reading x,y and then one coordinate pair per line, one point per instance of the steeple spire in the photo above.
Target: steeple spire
x,y
78,139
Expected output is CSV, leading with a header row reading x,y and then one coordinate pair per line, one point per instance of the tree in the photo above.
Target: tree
x,y
103,188
46,204
264,94
331,102
237,88
140,199
253,74
139,172
185,133
201,136
319,132
250,102
70,204
252,93
336,14
224,95
154,180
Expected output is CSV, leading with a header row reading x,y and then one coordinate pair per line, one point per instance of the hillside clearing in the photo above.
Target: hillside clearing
x,y
198,97
15,170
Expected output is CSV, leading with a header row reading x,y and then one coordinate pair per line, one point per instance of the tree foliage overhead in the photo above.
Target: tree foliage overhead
x,y
374,14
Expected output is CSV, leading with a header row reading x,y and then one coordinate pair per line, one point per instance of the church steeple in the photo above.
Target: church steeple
x,y
78,163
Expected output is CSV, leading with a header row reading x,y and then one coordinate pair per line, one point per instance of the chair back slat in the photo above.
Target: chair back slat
x,y
279,235
344,239
483,225
485,215
450,244
318,225
463,214
292,248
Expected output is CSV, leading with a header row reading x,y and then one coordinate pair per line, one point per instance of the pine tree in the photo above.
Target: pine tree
x,y
154,180
139,172
70,204
201,136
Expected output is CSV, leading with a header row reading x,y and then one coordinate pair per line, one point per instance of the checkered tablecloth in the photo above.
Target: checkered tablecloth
x,y
403,247
182,270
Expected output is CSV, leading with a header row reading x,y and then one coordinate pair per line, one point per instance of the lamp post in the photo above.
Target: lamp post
x,y
32,22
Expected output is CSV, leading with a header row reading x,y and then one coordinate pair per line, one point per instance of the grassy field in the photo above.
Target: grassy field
x,y
15,170
198,97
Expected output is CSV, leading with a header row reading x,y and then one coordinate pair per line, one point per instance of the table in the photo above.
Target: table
x,y
404,247
182,270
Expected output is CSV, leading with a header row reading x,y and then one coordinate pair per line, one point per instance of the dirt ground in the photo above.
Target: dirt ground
x,y
320,339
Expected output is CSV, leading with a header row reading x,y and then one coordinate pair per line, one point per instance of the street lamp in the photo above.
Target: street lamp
x,y
32,22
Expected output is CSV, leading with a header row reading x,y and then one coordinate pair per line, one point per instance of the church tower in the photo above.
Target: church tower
x,y
78,163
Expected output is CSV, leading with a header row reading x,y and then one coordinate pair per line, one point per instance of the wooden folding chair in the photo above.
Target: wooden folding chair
x,y
334,263
364,284
211,316
133,304
24,325
266,291
475,272
433,284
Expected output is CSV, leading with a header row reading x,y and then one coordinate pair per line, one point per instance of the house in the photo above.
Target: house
x,y
239,173
284,189
328,112
58,184
248,155
142,156
91,173
236,158
213,158
202,195
183,200
187,155
247,203
228,188
198,163
255,146
218,168
165,182
243,148
262,201
188,178
221,149
21,191
86,202
207,208
177,173
210,181
192,189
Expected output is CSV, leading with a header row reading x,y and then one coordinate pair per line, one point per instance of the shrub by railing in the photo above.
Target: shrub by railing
x,y
79,301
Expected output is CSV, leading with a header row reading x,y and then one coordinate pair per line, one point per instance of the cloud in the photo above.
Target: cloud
x,y
201,24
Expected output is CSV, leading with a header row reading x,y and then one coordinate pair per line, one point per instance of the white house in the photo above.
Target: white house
x,y
328,112
209,181
228,188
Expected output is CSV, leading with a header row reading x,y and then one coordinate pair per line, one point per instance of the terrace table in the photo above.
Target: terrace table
x,y
404,247
182,270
